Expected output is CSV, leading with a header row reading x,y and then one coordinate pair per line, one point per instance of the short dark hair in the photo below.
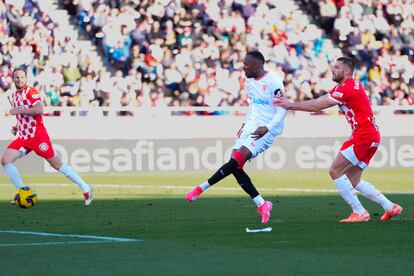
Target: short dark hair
x,y
348,62
19,69
257,56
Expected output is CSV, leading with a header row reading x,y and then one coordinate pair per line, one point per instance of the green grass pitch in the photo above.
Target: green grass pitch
x,y
207,237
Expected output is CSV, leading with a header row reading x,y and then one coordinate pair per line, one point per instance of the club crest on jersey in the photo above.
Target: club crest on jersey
x,y
337,94
278,92
43,146
264,87
19,98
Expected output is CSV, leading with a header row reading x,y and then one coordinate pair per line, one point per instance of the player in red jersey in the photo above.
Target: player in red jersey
x,y
355,154
32,135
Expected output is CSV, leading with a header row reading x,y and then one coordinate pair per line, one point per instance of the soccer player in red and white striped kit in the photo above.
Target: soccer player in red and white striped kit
x,y
33,136
355,153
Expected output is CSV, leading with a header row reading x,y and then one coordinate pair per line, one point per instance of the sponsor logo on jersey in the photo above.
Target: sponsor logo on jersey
x,y
337,94
260,101
36,96
374,145
43,146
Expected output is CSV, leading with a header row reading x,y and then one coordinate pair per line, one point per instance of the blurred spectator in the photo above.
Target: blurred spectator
x,y
55,64
186,53
380,36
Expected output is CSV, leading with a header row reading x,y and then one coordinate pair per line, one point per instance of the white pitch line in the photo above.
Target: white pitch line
x,y
50,243
173,187
183,187
100,238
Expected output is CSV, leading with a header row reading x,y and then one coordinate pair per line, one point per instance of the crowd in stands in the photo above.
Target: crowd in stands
x,y
380,35
190,52
194,49
54,62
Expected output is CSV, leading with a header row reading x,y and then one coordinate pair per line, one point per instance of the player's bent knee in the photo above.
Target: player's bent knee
x,y
55,166
334,173
239,157
55,163
5,160
9,156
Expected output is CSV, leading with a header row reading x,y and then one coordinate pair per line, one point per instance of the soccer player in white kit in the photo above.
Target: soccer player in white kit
x,y
264,122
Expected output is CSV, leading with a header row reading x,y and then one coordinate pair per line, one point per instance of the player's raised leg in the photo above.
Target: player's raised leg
x,y
9,156
338,172
66,170
264,207
237,160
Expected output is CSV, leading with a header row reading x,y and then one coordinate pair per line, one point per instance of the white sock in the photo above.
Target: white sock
x,y
13,175
258,200
369,191
346,190
74,177
204,186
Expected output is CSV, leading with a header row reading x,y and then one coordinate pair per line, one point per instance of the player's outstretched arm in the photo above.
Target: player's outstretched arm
x,y
313,105
35,110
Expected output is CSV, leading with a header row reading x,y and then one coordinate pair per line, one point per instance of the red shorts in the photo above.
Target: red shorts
x,y
40,144
360,148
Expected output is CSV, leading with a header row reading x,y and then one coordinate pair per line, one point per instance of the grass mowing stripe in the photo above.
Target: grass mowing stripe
x,y
178,187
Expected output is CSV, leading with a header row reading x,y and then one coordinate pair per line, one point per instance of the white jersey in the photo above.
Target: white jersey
x,y
263,112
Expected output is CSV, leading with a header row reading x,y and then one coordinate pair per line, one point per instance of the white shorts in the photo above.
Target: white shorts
x,y
255,146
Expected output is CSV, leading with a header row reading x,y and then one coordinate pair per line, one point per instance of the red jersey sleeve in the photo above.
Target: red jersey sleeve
x,y
34,97
340,93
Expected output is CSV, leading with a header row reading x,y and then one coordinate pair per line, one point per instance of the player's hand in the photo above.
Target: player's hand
x,y
240,131
259,132
281,101
14,130
13,111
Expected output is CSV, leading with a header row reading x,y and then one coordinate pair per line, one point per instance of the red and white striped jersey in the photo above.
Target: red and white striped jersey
x,y
27,125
